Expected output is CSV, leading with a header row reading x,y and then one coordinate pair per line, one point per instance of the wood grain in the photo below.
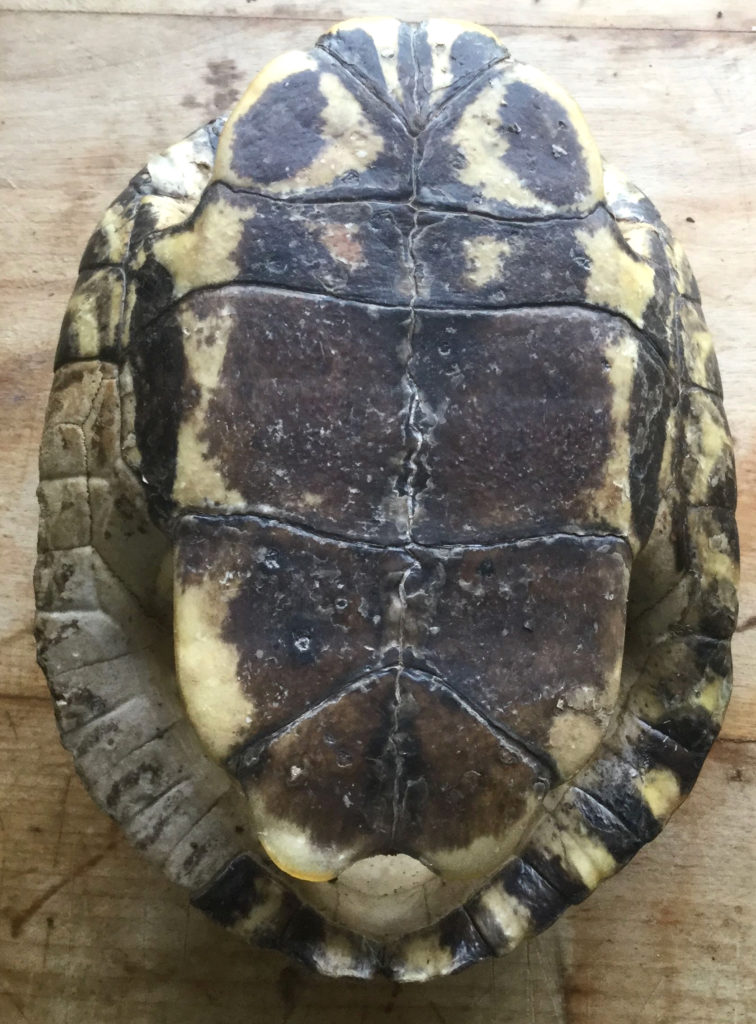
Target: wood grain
x,y
697,15
88,932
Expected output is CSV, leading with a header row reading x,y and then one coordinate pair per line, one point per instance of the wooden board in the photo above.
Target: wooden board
x,y
90,933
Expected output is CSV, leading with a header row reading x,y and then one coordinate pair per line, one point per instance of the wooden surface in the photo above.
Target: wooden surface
x,y
90,933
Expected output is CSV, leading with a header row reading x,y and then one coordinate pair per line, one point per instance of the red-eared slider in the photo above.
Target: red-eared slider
x,y
393,413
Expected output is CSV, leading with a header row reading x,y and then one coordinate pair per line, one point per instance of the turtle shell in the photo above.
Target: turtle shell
x,y
387,553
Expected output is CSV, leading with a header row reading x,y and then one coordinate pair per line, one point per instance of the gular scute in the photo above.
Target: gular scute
x,y
387,556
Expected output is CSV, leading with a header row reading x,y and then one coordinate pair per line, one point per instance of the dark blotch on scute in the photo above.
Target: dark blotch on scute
x,y
304,936
164,393
614,787
611,833
458,934
232,894
356,48
551,868
525,426
543,902
289,111
545,154
653,748
310,399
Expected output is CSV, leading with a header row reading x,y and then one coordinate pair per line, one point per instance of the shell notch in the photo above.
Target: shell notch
x,y
398,413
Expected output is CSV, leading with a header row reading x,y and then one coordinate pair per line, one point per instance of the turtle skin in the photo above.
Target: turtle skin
x,y
387,508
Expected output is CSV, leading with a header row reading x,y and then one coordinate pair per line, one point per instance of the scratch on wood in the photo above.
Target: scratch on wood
x,y
437,1012
25,630
531,995
548,981
12,724
15,1002
21,919
648,1001
63,809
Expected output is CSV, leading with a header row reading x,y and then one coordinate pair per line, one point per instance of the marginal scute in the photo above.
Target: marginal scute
x,y
91,326
451,583
103,642
699,359
708,465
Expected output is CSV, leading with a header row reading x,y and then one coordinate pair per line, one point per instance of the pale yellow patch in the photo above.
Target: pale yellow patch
x,y
483,256
681,267
199,481
479,137
589,858
203,254
351,142
129,448
617,188
573,737
639,236
116,227
85,316
661,791
713,552
613,499
509,914
166,211
713,698
647,704
698,344
709,443
617,280
291,848
423,957
206,666
311,499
